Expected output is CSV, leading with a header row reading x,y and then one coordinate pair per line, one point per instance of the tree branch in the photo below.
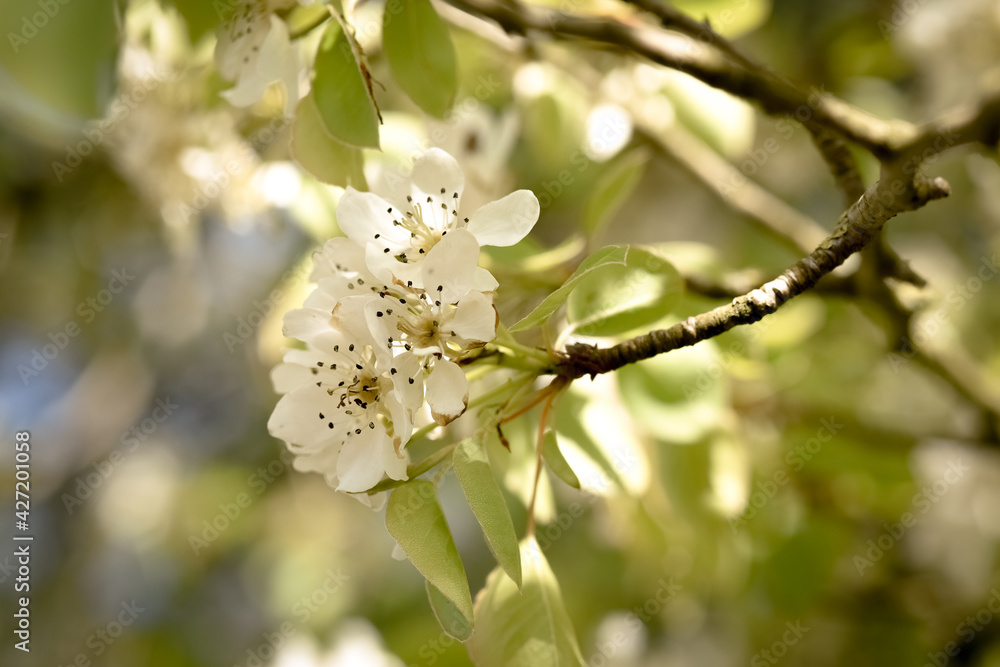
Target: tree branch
x,y
857,227
899,146
773,94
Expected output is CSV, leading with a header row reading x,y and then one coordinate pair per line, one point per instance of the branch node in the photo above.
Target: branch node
x,y
690,326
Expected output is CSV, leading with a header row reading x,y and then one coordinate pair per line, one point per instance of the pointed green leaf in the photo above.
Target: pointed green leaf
x,y
527,627
414,519
569,424
447,614
609,255
613,189
618,298
342,90
556,462
324,157
421,55
472,467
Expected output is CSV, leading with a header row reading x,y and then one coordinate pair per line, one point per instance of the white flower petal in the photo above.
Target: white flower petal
x,y
388,269
484,280
339,255
374,501
314,358
275,51
381,326
434,171
289,377
475,318
505,221
447,391
234,49
349,317
324,297
360,464
296,419
408,380
306,324
394,455
275,61
362,215
451,265
322,461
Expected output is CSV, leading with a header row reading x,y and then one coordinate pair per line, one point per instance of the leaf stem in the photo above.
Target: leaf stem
x,y
542,423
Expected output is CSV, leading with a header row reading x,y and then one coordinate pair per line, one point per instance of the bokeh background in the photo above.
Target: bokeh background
x,y
748,504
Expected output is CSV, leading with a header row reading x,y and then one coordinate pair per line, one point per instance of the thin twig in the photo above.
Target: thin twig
x,y
856,228
773,94
542,424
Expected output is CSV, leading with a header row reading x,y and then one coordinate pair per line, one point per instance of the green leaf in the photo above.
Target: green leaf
x,y
613,189
326,158
570,426
617,298
414,519
60,57
421,55
472,467
447,614
555,460
527,627
548,132
609,255
343,92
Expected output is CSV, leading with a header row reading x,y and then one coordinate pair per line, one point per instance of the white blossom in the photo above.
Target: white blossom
x,y
340,414
399,306
254,50
398,233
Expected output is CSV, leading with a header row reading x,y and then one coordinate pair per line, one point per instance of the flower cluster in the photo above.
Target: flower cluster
x,y
399,304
